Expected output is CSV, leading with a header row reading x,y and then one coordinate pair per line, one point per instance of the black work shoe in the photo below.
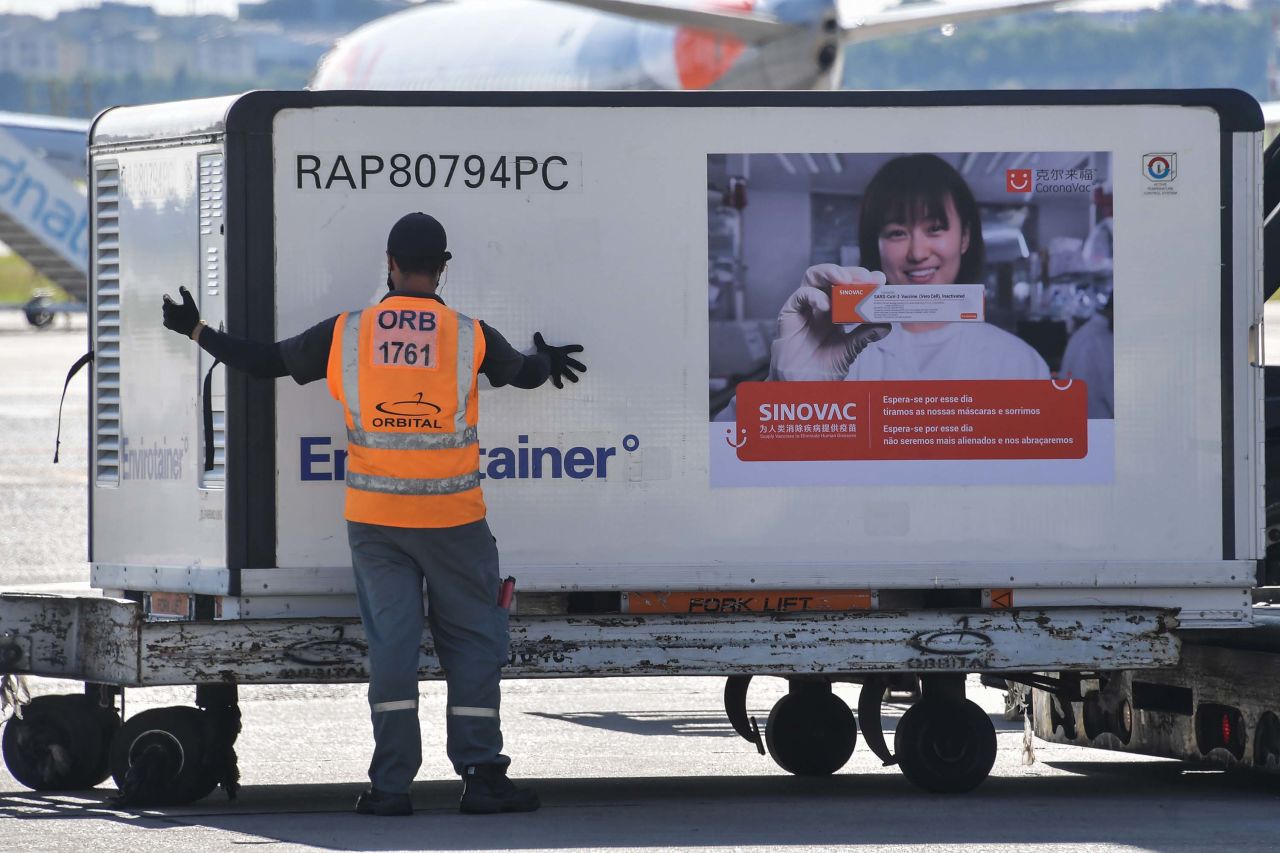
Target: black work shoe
x,y
487,790
376,802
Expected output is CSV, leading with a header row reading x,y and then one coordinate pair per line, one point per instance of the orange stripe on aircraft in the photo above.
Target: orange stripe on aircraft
x,y
702,58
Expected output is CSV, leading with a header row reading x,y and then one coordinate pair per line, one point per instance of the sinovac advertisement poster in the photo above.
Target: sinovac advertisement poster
x,y
901,319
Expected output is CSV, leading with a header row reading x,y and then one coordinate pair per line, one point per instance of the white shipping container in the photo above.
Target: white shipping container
x,y
584,217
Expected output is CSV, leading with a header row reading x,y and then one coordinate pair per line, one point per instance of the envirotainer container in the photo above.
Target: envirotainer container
x,y
1071,458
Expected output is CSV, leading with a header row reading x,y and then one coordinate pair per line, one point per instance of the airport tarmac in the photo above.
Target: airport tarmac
x,y
621,764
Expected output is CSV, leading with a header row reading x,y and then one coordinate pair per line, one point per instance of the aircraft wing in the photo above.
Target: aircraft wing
x,y
915,17
749,27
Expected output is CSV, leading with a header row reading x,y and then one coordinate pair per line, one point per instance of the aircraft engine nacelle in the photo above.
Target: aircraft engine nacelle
x,y
800,56
532,44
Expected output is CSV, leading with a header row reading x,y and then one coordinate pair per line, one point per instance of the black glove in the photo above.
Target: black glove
x,y
561,360
181,318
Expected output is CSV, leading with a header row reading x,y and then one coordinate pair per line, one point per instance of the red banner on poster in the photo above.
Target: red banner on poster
x,y
951,419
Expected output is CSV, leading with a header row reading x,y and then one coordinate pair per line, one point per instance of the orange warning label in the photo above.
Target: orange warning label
x,y
170,604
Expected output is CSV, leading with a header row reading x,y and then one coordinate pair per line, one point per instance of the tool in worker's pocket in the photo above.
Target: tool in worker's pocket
x,y
505,592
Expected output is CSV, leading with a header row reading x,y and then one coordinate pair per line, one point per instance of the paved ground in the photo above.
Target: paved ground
x,y
42,506
622,764
636,764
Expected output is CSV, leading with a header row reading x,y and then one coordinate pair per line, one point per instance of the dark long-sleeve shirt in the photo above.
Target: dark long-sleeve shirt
x,y
305,356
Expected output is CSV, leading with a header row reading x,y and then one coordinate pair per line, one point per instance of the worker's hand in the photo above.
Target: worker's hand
x,y
181,318
562,362
808,345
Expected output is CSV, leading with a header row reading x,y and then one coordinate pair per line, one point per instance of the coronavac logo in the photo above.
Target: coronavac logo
x,y
1018,180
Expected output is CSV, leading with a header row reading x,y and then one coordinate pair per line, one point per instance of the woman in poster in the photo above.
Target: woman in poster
x,y
919,224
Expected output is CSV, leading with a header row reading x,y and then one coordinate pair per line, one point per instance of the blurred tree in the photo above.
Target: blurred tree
x,y
325,11
1186,46
12,92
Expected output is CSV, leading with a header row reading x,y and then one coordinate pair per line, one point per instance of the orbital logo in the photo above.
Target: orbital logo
x,y
408,414
417,407
1160,168
1017,180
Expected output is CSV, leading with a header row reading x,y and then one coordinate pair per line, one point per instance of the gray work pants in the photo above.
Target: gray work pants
x,y
469,630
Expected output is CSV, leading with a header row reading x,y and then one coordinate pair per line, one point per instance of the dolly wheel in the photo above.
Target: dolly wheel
x,y
159,758
811,732
947,746
108,720
1266,742
60,743
38,311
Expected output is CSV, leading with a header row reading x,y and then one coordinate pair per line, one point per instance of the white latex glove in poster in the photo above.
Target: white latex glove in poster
x,y
808,346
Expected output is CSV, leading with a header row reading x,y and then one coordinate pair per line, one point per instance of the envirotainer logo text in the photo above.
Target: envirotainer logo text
x,y
320,460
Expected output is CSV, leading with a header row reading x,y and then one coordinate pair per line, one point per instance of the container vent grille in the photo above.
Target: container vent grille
x,y
212,183
106,329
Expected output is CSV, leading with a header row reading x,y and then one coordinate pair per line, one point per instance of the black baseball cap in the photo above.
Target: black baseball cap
x,y
418,236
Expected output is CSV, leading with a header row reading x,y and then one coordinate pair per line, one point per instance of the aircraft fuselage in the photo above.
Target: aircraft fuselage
x,y
531,44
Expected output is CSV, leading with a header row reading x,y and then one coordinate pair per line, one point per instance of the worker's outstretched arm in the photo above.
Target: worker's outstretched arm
x,y
563,364
253,357
504,365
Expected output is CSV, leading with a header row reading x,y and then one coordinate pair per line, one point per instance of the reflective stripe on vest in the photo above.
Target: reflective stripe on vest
x,y
413,486
463,434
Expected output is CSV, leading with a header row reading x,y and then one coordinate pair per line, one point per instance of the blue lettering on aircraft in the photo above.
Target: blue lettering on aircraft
x,y
318,462
27,199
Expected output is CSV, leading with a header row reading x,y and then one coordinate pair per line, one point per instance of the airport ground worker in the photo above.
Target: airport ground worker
x,y
405,373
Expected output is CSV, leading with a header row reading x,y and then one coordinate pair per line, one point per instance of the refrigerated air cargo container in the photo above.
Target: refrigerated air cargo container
x,y
1056,476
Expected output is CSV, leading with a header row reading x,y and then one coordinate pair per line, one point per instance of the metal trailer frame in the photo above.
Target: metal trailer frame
x,y
1220,706
110,641
111,644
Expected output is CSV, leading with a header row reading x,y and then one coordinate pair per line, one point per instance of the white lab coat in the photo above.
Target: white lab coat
x,y
952,351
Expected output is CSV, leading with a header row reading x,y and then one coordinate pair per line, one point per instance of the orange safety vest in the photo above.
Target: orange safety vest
x,y
405,373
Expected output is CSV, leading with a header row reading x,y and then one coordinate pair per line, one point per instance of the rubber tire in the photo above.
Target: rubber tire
x,y
1271,565
179,731
1095,719
811,733
945,746
37,311
1266,742
109,723
60,743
